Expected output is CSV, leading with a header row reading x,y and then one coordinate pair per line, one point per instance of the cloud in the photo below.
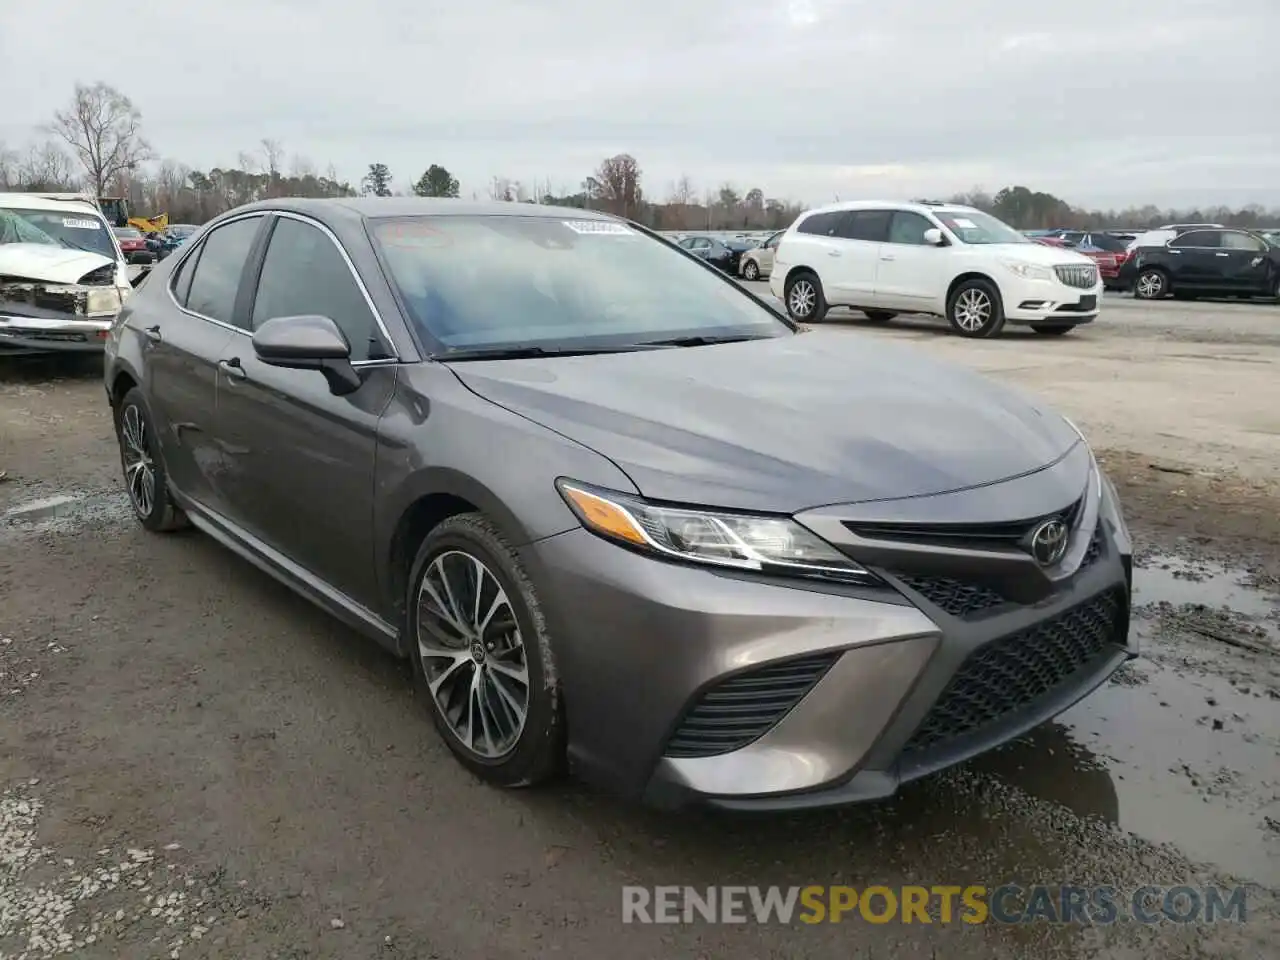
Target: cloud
x,y
1167,101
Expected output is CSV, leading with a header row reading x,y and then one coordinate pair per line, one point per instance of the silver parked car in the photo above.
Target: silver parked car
x,y
757,263
613,508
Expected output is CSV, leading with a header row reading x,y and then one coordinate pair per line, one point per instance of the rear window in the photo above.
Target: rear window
x,y
507,281
72,229
128,233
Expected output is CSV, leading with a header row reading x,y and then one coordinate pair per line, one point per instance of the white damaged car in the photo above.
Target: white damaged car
x,y
63,278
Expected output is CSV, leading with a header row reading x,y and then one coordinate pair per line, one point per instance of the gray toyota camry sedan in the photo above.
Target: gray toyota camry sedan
x,y
619,514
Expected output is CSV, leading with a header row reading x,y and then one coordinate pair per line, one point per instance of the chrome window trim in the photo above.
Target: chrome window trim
x,y
346,258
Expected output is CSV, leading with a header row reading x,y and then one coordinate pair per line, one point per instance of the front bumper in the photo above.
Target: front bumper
x,y
26,335
1049,302
662,666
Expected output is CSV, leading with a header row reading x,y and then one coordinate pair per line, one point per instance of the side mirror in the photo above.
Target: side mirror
x,y
308,343
933,237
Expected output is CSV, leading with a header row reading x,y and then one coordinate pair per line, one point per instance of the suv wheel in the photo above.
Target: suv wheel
x,y
974,309
1151,285
804,299
879,316
144,474
481,655
751,270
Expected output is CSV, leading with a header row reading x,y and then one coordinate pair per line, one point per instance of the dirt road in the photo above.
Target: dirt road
x,y
196,763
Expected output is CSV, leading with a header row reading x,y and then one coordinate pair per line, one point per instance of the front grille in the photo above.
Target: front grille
x,y
1007,675
1081,276
973,536
956,597
743,708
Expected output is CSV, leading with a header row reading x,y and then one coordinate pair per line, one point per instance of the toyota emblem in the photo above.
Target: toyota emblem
x,y
1049,542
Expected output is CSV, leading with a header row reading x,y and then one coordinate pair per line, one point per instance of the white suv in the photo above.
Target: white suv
x,y
886,258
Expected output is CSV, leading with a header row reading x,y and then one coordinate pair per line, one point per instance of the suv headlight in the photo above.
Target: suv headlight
x,y
739,541
103,302
1028,271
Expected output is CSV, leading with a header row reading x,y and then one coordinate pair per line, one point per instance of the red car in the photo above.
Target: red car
x,y
1108,252
133,245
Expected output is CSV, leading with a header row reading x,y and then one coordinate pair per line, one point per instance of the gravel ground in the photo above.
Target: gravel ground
x,y
196,763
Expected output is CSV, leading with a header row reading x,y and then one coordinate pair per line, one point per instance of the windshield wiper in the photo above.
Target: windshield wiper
x,y
701,341
521,353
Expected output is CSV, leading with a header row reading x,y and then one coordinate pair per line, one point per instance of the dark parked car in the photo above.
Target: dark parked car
x,y
134,245
615,509
715,252
1221,262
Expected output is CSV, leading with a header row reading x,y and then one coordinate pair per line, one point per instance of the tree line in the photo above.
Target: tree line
x,y
96,144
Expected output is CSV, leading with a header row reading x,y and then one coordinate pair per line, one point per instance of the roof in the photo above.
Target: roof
x,y
378,207
912,205
49,201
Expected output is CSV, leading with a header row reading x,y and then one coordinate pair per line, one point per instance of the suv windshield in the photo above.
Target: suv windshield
x,y
64,228
971,226
516,281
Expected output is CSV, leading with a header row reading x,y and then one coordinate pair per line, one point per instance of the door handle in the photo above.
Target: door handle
x,y
232,368
888,257
153,333
1221,254
833,253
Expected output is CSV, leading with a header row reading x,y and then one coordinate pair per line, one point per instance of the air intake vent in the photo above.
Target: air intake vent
x,y
743,708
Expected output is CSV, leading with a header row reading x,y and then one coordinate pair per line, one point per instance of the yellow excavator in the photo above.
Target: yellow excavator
x,y
156,224
116,211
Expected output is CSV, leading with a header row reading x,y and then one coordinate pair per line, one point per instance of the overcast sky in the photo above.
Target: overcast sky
x,y
1103,102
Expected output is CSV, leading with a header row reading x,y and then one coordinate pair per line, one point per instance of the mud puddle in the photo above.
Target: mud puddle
x,y
1183,745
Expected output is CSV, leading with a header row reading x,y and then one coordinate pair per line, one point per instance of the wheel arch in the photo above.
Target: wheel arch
x,y
965,278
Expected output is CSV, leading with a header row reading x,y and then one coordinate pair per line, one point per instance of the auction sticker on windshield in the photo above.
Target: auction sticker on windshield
x,y
964,224
74,224
599,227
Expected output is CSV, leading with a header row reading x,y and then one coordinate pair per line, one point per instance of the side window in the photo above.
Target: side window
x,y
181,282
1242,241
687,243
215,279
1198,239
772,242
872,225
821,224
304,273
908,227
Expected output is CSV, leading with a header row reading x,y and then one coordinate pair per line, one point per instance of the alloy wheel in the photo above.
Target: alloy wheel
x,y
139,468
973,310
802,298
473,654
1150,285
751,271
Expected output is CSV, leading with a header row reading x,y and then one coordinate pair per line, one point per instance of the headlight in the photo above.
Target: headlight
x,y
740,541
1029,271
103,303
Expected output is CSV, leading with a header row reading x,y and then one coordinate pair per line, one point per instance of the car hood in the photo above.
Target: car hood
x,y
47,263
784,424
1041,254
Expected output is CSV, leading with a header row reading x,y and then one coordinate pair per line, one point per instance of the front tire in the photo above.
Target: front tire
x,y
1151,285
751,270
144,475
975,310
481,654
804,298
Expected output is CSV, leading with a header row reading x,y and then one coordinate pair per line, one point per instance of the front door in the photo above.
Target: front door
x,y
910,272
1194,261
181,350
304,458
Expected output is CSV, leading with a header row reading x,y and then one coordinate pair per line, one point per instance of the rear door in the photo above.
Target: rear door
x,y
1248,270
302,476
184,337
859,236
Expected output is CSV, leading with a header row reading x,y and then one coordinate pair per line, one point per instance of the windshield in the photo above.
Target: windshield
x,y
182,230
128,233
74,230
971,226
514,281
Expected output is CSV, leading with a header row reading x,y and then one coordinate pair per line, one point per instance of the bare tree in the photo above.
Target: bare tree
x,y
46,167
8,168
103,129
618,181
502,188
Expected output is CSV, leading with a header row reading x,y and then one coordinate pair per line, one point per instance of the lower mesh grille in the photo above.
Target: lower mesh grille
x,y
1009,674
745,707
